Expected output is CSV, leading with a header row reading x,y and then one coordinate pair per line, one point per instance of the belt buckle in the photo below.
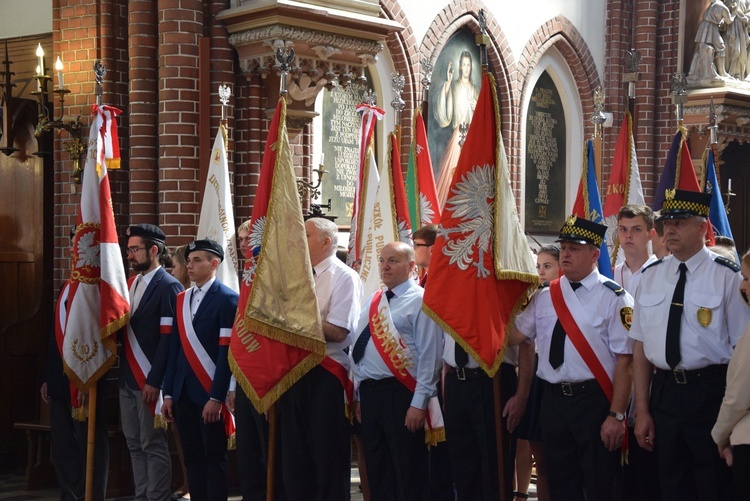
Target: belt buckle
x,y
567,389
679,376
461,373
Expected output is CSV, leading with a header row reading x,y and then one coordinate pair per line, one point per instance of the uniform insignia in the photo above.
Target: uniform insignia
x,y
658,261
728,263
626,316
704,316
543,285
616,288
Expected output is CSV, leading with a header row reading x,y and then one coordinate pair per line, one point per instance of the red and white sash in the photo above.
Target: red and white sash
x,y
200,362
399,360
568,308
342,374
61,318
139,363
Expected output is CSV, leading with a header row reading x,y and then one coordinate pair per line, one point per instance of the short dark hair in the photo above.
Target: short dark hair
x,y
165,257
428,233
631,211
723,241
552,250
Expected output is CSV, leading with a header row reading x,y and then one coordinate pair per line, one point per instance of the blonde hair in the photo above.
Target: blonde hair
x,y
179,256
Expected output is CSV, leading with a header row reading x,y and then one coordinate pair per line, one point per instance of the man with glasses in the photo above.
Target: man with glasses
x,y
145,346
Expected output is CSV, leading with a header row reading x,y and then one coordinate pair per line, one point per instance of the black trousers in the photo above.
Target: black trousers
x,y
579,465
441,476
252,451
741,470
205,449
684,414
316,448
641,472
470,432
68,449
396,457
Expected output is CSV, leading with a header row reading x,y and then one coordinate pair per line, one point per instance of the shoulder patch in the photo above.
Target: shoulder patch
x,y
543,285
728,263
658,261
616,288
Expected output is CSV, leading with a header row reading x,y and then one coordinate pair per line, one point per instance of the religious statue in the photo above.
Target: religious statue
x,y
709,60
737,40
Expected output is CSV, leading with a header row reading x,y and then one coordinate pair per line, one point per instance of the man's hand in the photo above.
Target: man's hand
x,y
231,400
211,411
149,393
644,430
166,410
513,411
43,391
612,433
725,451
414,419
358,411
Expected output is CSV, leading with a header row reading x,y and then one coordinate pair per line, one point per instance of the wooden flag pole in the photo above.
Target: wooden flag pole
x,y
271,456
90,438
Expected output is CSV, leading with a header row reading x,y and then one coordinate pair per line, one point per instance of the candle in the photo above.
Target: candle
x,y
38,80
40,57
730,185
322,158
59,68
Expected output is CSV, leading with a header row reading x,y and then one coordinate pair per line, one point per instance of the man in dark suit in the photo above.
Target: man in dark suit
x,y
197,378
153,293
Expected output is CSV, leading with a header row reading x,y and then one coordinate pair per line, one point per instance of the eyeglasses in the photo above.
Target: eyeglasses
x,y
422,245
133,250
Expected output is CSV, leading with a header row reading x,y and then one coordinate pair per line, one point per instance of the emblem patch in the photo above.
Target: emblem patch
x,y
626,316
704,316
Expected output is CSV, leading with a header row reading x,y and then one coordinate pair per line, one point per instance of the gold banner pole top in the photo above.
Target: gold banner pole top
x,y
224,93
284,56
483,40
397,85
679,96
598,117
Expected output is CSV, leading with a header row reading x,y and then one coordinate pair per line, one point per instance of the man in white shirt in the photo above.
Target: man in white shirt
x,y
316,455
635,229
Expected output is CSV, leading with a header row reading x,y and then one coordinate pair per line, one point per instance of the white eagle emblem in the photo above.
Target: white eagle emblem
x,y
471,202
426,212
611,236
88,251
404,233
256,239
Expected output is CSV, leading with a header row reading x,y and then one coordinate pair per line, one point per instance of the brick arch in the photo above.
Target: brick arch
x,y
561,34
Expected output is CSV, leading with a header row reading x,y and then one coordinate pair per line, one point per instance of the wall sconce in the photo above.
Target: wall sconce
x,y
75,146
6,114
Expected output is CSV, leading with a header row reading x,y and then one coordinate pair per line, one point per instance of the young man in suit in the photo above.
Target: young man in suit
x,y
145,346
197,378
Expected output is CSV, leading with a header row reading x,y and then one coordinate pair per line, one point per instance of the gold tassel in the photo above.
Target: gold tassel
x,y
80,413
232,442
160,422
434,437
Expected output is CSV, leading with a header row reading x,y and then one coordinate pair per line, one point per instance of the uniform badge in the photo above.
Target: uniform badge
x,y
626,316
704,316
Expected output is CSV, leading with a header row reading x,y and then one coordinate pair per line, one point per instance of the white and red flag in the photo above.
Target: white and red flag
x,y
98,300
421,194
217,216
481,268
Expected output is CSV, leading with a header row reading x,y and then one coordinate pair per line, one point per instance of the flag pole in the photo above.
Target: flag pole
x,y
598,119
679,97
397,85
99,71
503,476
284,56
632,75
426,82
224,93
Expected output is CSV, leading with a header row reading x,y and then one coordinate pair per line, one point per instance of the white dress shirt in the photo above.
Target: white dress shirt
x,y
199,293
603,307
140,284
711,289
627,278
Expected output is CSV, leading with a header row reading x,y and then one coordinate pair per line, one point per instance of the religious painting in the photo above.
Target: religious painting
x,y
545,159
340,147
456,81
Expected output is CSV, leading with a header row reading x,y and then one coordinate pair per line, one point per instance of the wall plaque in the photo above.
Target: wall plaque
x,y
545,159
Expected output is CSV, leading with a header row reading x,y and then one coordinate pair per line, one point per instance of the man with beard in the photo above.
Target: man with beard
x,y
146,348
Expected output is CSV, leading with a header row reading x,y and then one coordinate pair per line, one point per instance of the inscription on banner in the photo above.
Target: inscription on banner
x,y
545,159
341,149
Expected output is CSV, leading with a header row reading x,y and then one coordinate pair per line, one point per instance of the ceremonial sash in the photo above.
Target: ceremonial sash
x,y
342,375
61,316
561,300
200,361
399,360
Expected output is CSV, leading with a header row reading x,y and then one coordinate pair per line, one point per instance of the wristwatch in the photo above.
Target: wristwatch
x,y
617,415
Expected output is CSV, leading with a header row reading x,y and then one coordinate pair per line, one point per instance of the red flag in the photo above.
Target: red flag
x,y
399,195
277,335
99,302
481,268
421,194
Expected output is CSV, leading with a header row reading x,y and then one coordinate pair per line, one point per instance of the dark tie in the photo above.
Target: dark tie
x,y
557,344
675,318
359,347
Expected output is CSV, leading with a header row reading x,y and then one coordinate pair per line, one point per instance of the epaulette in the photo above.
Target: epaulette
x,y
658,261
616,288
728,263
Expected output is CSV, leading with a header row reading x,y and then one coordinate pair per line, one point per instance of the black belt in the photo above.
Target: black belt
x,y
571,389
379,382
463,373
682,376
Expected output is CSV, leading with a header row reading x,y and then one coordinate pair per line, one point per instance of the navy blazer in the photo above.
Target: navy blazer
x,y
158,301
215,312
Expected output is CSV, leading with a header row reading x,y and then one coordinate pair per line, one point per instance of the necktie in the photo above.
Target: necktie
x,y
557,344
137,293
675,318
195,301
359,347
